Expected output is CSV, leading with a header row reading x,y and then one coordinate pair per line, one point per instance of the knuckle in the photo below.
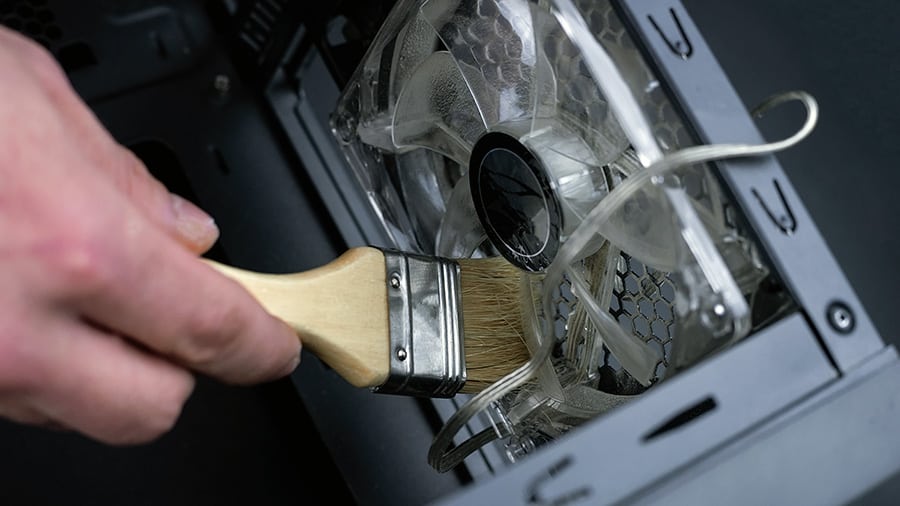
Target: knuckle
x,y
44,66
34,62
132,163
125,179
134,179
212,336
83,266
132,169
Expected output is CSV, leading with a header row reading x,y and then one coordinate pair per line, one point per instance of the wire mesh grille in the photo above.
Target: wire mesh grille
x,y
33,18
643,303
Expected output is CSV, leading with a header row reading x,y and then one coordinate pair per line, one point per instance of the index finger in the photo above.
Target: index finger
x,y
157,293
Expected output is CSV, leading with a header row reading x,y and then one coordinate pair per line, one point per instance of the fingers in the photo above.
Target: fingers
x,y
192,227
99,385
94,248
181,219
162,296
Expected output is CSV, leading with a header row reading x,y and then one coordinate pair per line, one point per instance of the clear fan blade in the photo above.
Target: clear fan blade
x,y
636,356
435,110
493,42
426,178
582,107
573,170
642,225
460,233
415,43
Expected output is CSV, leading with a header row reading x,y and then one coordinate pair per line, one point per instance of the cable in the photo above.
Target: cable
x,y
442,455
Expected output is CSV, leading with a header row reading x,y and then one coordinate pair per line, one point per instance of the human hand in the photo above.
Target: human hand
x,y
105,310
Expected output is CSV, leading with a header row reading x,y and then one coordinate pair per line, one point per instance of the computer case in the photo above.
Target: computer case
x,y
802,411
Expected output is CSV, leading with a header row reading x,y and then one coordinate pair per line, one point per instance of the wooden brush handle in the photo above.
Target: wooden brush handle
x,y
339,311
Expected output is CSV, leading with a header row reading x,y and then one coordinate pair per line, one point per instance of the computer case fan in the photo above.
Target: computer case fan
x,y
233,107
535,130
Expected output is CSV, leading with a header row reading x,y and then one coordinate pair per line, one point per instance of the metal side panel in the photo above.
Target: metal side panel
x,y
680,421
760,187
303,114
830,450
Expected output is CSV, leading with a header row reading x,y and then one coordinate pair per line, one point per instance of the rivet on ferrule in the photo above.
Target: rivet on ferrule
x,y
425,320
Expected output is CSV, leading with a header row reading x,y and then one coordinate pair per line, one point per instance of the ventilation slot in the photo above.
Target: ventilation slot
x,y
257,23
685,417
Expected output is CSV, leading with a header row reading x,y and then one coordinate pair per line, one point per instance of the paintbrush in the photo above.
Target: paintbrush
x,y
400,323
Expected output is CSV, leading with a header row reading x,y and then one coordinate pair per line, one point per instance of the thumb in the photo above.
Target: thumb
x,y
178,217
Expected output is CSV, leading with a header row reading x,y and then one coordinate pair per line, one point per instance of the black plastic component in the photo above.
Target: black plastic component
x,y
76,56
515,201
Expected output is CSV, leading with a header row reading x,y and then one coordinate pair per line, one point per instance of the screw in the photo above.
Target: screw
x,y
222,84
714,319
840,317
401,354
395,281
345,126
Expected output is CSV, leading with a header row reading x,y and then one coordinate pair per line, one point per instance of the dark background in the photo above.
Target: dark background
x,y
149,70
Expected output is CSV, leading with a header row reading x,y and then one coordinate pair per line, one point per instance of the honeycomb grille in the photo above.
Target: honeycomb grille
x,y
643,303
33,18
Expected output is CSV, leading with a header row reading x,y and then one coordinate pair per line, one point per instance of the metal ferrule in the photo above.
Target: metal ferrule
x,y
424,304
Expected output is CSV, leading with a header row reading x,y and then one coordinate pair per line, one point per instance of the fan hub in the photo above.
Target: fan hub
x,y
515,201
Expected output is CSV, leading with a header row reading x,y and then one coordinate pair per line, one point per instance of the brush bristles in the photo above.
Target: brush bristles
x,y
493,335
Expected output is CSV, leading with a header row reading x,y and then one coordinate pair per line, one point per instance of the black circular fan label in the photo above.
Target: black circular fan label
x,y
514,201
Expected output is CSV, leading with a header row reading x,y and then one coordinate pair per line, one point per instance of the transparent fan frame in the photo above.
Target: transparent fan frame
x,y
639,267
